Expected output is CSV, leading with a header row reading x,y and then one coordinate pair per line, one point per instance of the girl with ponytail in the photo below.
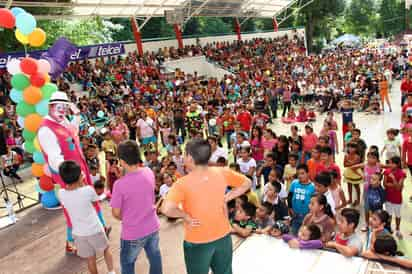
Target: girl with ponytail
x,y
379,224
321,215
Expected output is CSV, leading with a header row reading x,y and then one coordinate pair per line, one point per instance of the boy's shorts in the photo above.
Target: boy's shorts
x,y
393,209
148,140
88,246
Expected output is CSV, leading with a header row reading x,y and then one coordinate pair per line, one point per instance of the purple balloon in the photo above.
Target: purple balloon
x,y
58,56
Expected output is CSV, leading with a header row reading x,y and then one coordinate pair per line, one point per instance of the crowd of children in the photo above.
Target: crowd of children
x,y
297,192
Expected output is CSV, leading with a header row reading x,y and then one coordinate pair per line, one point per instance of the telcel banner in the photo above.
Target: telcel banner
x,y
81,53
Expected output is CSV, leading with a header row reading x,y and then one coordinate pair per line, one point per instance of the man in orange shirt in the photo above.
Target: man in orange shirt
x,y
199,198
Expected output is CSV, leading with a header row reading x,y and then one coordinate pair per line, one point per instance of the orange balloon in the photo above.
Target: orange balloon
x,y
37,170
37,37
32,122
32,95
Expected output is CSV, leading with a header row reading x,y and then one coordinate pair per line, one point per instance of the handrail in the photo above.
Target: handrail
x,y
207,35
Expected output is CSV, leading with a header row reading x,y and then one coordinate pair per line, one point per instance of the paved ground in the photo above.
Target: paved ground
x,y
36,243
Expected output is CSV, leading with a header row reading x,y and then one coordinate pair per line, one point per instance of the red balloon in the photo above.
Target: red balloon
x,y
37,80
7,19
46,183
29,65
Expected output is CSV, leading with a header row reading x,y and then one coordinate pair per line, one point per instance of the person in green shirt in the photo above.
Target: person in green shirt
x,y
244,224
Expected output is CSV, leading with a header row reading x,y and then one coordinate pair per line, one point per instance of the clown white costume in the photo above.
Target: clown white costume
x,y
59,141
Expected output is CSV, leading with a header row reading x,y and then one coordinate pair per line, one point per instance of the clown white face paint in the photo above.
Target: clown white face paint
x,y
58,111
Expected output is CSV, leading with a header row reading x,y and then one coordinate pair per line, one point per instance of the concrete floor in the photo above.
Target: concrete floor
x,y
36,243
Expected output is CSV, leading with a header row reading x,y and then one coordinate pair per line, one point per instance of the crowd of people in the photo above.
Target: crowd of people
x,y
298,191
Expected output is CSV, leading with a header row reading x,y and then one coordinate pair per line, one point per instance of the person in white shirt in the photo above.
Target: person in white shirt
x,y
88,232
247,165
217,151
322,182
146,130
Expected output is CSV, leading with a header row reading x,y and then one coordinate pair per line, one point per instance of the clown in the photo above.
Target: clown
x,y
59,141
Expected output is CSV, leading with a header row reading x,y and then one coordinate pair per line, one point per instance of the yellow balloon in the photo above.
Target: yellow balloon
x,y
37,37
47,78
21,37
36,144
1,111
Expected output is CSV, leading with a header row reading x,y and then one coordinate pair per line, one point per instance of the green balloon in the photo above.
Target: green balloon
x,y
29,147
23,109
48,89
20,81
28,135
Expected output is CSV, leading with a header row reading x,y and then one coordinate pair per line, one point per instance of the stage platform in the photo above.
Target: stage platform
x,y
36,245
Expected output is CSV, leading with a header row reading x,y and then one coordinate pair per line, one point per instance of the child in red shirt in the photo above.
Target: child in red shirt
x,y
393,183
327,163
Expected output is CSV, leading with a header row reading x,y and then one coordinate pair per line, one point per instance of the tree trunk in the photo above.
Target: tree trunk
x,y
310,27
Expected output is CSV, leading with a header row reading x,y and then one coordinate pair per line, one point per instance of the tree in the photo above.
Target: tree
x,y
125,33
192,26
392,17
214,25
80,31
360,17
315,14
157,27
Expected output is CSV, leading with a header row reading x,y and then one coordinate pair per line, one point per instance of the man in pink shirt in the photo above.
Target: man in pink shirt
x,y
133,203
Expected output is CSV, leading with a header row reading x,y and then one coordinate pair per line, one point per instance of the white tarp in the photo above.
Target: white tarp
x,y
261,254
198,64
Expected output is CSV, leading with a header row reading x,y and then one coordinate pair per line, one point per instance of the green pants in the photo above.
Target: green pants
x,y
216,255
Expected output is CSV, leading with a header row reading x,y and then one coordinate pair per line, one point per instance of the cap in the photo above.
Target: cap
x,y
59,98
103,131
245,144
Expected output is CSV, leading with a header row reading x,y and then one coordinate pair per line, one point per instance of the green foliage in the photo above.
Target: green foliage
x,y
317,16
361,17
79,31
392,17
213,25
157,27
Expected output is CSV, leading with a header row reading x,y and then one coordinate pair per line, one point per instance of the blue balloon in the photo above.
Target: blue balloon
x,y
100,114
16,95
26,23
38,188
49,199
38,157
16,11
42,108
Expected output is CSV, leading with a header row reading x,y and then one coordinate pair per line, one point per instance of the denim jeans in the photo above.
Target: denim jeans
x,y
130,250
296,223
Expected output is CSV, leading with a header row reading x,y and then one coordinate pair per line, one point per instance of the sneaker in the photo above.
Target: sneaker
x,y
399,234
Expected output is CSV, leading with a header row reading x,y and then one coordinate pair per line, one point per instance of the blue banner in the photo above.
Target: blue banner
x,y
81,53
